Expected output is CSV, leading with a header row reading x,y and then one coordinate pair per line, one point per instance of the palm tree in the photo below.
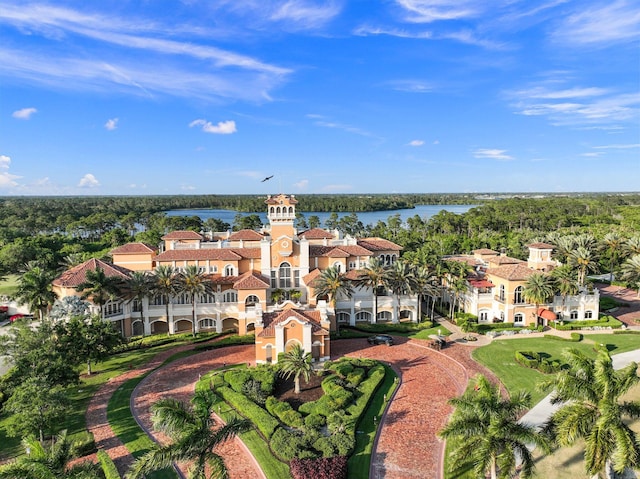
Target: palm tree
x,y
591,390
193,438
632,246
631,272
50,462
400,280
565,282
372,276
424,279
138,287
614,245
583,259
487,432
332,283
34,289
165,284
99,287
194,284
296,363
538,289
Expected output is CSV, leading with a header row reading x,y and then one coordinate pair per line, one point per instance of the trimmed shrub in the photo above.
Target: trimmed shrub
x,y
575,337
314,421
355,377
320,468
323,446
267,377
342,368
265,423
228,341
603,322
236,378
283,411
343,443
528,359
286,445
108,467
626,331
253,390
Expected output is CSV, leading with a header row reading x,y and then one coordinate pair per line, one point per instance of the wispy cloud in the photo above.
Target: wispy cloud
x,y
602,23
492,154
111,124
365,31
411,86
305,14
416,143
222,128
344,127
617,147
24,113
427,11
88,181
302,184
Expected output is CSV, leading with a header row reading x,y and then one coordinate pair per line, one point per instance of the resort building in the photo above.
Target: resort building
x,y
263,282
495,289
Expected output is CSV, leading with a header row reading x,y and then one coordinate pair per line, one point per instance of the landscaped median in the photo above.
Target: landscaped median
x,y
341,422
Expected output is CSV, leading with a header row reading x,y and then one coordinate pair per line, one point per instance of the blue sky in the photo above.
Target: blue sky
x,y
189,97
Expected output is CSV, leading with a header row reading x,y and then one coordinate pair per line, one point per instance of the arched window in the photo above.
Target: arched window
x,y
271,210
385,316
251,300
182,299
405,314
269,353
574,314
501,293
290,210
502,316
518,296
518,318
588,314
207,323
229,270
338,266
483,316
363,316
284,274
342,317
230,296
278,211
207,299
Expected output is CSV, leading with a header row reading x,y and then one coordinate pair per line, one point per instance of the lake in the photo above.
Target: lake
x,y
367,217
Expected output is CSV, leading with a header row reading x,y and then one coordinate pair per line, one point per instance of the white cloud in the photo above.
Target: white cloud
x,y
593,154
24,113
427,11
493,154
222,128
341,126
416,143
302,184
187,187
436,142
88,181
305,14
605,23
111,124
618,147
411,86
7,180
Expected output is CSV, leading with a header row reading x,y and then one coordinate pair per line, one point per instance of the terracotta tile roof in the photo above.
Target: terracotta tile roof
x,y
309,278
78,274
337,252
352,274
316,233
251,280
275,200
223,254
178,235
500,260
246,235
481,283
541,246
307,317
511,272
355,250
484,251
133,248
463,258
378,244
248,253
316,250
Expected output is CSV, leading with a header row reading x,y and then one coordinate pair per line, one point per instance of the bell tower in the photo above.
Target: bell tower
x,y
281,213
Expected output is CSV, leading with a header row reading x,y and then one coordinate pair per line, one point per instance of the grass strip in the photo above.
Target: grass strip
x,y
367,427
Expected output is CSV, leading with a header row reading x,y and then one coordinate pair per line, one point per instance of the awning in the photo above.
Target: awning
x,y
481,283
546,314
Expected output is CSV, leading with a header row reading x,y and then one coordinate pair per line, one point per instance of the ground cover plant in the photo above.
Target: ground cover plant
x,y
316,424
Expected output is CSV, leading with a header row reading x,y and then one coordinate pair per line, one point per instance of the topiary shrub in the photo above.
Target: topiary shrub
x,y
265,423
286,445
320,468
314,421
283,411
355,376
236,378
343,443
253,390
323,446
528,359
107,465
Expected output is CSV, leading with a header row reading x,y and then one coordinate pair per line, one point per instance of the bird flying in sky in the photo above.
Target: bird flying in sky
x,y
267,178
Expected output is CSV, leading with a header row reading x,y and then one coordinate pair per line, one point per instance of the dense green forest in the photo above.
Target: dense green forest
x,y
61,231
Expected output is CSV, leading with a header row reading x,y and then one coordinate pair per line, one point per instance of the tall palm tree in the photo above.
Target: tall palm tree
x,y
332,283
424,282
99,287
48,462
296,363
194,284
565,281
590,390
191,430
613,243
400,279
487,432
165,285
138,287
538,289
372,276
584,260
631,272
34,289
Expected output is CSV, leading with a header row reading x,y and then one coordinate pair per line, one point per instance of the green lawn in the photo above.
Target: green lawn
x,y
9,285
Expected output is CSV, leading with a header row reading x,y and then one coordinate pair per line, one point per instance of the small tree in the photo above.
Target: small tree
x,y
296,363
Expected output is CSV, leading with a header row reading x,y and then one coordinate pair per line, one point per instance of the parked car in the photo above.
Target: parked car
x,y
380,339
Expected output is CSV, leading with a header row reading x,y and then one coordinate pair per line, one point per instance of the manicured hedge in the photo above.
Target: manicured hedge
x,y
108,467
626,331
265,423
533,360
283,411
366,389
287,445
320,468
355,377
604,322
575,337
393,327
230,340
